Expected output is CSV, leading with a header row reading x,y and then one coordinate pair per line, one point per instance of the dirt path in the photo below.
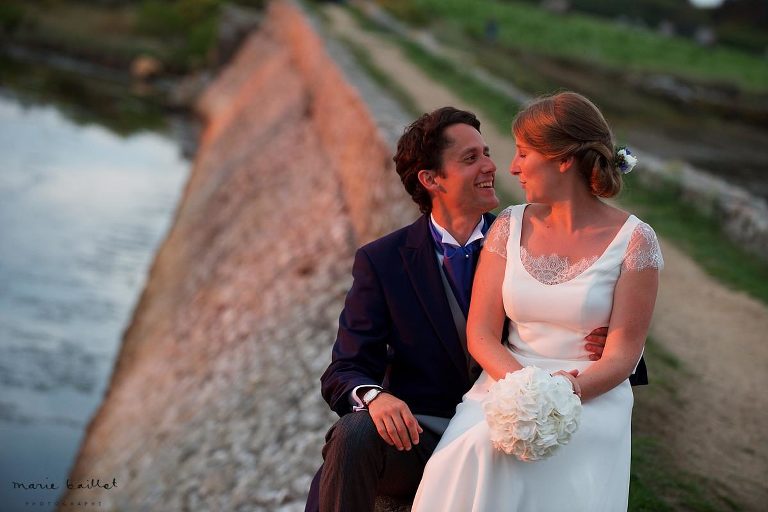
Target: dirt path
x,y
425,92
717,425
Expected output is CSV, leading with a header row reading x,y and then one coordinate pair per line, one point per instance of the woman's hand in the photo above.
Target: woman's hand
x,y
571,376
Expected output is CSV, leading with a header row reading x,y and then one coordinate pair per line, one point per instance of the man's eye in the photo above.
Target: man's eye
x,y
470,158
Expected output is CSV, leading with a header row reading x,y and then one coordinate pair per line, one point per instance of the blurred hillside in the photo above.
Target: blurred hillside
x,y
182,35
741,24
554,30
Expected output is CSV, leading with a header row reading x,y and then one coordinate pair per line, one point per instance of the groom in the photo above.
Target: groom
x,y
400,363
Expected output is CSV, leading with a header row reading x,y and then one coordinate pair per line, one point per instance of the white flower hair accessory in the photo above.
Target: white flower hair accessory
x,y
625,161
531,413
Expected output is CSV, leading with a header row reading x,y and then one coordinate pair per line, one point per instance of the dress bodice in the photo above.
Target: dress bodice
x,y
553,305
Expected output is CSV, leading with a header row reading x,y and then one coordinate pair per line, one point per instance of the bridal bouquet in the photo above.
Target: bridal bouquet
x,y
531,413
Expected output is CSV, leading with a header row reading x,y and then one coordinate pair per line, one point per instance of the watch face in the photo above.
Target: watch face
x,y
370,395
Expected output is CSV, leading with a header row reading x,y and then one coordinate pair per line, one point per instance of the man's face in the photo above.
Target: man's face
x,y
466,186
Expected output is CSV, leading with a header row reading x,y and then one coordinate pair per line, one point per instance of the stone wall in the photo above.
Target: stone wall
x,y
742,216
214,401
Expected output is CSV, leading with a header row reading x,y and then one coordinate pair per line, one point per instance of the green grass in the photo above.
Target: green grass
x,y
665,370
657,485
591,41
189,26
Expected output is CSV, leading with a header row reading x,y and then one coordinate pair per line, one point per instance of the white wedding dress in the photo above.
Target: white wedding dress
x,y
553,305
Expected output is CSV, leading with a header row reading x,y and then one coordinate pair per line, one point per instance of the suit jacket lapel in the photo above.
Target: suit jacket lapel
x,y
420,263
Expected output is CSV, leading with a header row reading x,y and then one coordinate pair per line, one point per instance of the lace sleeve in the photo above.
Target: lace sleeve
x,y
643,250
496,239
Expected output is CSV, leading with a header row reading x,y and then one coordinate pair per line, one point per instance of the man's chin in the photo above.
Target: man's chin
x,y
492,204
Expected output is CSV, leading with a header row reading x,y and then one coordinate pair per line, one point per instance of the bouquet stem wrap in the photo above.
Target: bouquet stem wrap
x,y
531,413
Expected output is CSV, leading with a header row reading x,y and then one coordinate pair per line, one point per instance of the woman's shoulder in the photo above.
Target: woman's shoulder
x,y
496,239
616,216
621,222
515,208
643,249
638,226
511,211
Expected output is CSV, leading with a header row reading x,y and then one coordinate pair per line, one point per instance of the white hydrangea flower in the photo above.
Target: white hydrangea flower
x,y
531,413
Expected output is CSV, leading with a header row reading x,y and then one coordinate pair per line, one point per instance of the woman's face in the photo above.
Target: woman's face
x,y
537,173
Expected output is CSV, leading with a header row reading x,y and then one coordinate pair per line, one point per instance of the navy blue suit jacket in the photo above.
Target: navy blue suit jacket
x,y
396,329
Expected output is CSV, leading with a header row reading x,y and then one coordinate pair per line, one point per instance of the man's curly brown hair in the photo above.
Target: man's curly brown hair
x,y
421,147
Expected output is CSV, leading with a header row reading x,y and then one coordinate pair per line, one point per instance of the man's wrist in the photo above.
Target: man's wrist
x,y
371,395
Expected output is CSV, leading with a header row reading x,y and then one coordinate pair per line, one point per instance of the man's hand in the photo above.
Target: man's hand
x,y
394,421
596,343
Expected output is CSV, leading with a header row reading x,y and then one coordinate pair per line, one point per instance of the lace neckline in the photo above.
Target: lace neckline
x,y
554,269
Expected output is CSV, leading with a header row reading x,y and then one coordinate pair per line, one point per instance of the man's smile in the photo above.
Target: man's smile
x,y
485,184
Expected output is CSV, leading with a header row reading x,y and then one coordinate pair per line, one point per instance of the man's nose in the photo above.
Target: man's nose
x,y
490,165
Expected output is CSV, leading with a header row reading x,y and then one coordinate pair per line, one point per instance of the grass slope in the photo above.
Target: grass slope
x,y
591,40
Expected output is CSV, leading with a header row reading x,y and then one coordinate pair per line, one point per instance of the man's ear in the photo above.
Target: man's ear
x,y
427,180
566,163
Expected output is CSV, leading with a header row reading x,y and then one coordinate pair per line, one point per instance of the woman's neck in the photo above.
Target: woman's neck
x,y
572,214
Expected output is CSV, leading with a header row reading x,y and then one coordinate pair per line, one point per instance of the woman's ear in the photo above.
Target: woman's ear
x,y
427,180
566,163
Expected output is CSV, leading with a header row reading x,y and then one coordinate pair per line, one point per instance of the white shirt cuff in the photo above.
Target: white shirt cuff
x,y
357,404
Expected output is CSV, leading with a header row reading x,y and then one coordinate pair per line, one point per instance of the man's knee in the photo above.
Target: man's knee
x,y
354,432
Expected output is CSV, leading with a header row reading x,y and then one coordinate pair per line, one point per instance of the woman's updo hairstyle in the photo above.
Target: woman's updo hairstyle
x,y
568,124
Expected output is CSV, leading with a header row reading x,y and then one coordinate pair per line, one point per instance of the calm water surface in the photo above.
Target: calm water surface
x,y
82,212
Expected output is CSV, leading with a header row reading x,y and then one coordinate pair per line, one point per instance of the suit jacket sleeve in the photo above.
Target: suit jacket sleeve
x,y
360,352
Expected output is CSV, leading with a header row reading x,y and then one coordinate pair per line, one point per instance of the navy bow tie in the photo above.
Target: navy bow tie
x,y
459,266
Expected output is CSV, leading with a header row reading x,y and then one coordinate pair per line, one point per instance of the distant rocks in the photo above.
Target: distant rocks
x,y
145,67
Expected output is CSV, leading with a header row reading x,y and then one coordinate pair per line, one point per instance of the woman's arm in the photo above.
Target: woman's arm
x,y
486,318
633,302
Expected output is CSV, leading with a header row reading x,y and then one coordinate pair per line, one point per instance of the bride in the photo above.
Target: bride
x,y
557,267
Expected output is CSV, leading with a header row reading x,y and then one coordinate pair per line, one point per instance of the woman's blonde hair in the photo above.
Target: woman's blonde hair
x,y
568,124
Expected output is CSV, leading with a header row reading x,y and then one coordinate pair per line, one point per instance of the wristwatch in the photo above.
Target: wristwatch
x,y
371,395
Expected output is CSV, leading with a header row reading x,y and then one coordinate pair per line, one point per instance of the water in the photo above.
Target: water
x,y
82,211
